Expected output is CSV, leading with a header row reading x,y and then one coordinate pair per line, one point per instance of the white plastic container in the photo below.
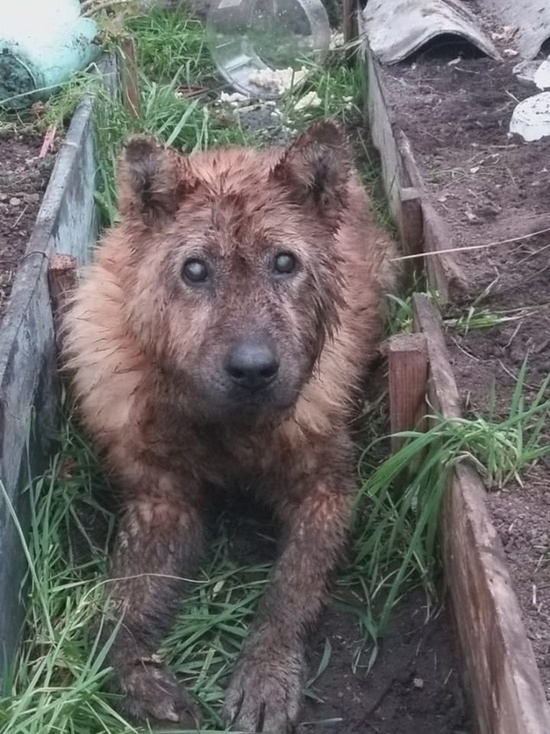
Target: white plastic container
x,y
41,43
263,47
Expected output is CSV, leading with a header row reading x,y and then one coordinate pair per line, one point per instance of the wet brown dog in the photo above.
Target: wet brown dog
x,y
221,338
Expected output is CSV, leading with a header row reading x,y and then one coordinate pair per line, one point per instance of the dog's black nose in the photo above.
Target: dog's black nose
x,y
252,365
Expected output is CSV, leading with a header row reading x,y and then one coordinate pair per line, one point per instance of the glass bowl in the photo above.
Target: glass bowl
x,y
264,47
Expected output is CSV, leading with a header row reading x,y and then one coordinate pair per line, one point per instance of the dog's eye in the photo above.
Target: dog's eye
x,y
195,271
284,263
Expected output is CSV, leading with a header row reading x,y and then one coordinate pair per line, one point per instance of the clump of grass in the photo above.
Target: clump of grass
x,y
396,539
171,45
57,111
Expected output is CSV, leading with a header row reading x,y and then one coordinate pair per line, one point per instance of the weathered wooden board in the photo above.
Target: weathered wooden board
x,y
66,223
504,681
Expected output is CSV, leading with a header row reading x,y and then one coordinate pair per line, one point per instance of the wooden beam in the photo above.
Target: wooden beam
x,y
410,226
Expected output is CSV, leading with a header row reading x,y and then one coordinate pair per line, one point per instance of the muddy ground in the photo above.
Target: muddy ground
x,y
414,685
493,191
23,180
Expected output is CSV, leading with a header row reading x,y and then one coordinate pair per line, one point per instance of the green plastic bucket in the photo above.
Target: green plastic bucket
x,y
41,43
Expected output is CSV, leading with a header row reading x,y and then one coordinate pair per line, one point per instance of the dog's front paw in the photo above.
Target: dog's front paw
x,y
264,693
150,692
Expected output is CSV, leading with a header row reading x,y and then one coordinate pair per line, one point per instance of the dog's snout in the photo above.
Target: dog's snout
x,y
252,365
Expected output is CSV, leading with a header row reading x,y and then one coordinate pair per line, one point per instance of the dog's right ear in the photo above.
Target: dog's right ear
x,y
151,181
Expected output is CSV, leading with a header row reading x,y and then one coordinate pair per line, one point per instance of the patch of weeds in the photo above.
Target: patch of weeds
x,y
57,683
57,111
474,319
171,45
399,309
338,89
395,541
400,315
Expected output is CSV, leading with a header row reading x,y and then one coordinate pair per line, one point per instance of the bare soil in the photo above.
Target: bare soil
x,y
414,684
23,180
492,188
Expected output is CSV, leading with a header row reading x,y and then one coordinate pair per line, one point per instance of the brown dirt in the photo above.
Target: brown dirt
x,y
23,180
414,685
488,188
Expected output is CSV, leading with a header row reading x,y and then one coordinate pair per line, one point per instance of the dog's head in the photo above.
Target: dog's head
x,y
234,280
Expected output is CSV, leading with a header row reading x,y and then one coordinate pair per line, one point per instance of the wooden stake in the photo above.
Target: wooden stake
x,y
62,280
411,228
129,75
350,27
408,371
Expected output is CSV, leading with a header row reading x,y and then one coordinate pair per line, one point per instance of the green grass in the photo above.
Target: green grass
x,y
473,318
171,45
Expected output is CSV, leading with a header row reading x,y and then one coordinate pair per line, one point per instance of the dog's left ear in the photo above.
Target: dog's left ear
x,y
316,168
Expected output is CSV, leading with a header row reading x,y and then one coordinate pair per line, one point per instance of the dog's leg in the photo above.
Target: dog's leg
x,y
265,690
157,546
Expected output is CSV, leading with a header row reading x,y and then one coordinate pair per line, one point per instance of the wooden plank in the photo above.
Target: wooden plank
x,y
381,126
507,692
408,375
400,172
411,227
445,277
411,235
129,75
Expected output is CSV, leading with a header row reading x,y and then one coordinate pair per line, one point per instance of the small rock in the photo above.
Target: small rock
x,y
14,201
418,683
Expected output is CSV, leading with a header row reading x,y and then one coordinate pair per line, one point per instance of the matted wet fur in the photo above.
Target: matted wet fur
x,y
220,339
